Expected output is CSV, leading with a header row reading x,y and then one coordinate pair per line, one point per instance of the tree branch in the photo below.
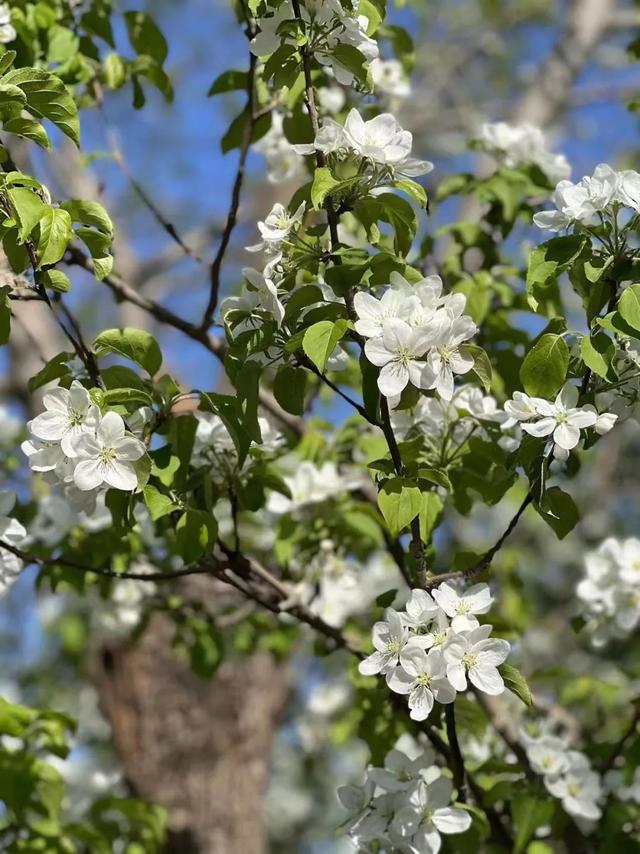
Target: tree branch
x,y
232,216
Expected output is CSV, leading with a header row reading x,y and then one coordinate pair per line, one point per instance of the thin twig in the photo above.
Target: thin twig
x,y
232,216
457,762
488,556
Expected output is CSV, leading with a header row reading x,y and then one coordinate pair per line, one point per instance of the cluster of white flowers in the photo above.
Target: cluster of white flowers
x,y
435,645
329,25
404,806
609,593
389,78
567,775
522,145
122,613
214,447
602,193
562,420
336,587
83,450
7,30
415,334
310,484
616,783
380,143
12,533
283,163
468,411
276,231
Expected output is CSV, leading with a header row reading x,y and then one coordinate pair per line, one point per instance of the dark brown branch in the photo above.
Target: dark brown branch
x,y
457,762
232,216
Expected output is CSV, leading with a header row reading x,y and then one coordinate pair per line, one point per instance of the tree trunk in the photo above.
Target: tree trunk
x,y
199,748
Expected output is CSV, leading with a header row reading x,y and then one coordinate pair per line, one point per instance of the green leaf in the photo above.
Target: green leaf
x,y
320,340
481,364
27,207
198,636
55,234
29,129
399,501
114,71
228,81
235,132
323,183
431,507
47,97
247,385
6,60
134,344
126,395
559,511
544,368
89,213
598,351
516,683
55,280
289,388
546,262
158,503
196,534
145,37
629,307
529,812
414,190
353,60
55,369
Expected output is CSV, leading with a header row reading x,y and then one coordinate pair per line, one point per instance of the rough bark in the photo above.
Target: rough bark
x,y
200,748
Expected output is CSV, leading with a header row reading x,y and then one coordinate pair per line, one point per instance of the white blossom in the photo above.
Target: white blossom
x,y
373,312
311,484
428,815
389,639
7,30
400,352
265,293
277,227
609,592
446,358
389,78
462,608
423,677
381,141
523,145
108,458
12,533
68,414
283,163
475,656
591,196
578,787
562,419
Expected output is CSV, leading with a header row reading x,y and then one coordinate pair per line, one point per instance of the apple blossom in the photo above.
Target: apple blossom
x,y
561,419
428,815
13,533
462,608
68,413
399,351
475,656
423,677
108,458
7,30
